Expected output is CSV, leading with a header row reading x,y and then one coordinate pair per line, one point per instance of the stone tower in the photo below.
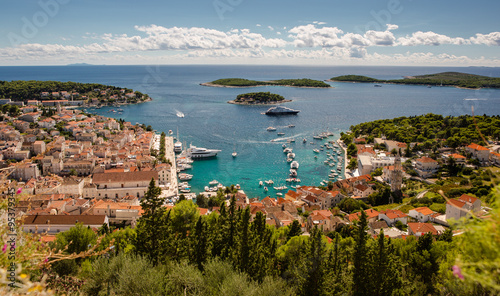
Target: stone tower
x,y
396,177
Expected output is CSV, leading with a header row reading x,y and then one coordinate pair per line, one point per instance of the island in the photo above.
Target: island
x,y
457,79
241,82
69,93
258,98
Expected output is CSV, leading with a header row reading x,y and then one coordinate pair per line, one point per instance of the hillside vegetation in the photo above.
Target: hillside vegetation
x,y
241,82
258,97
445,79
27,90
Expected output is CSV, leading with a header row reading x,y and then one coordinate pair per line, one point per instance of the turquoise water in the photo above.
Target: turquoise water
x,y
212,123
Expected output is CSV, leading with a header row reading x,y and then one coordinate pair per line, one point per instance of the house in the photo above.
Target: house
x,y
462,207
116,185
422,214
419,229
478,152
371,214
495,158
25,172
426,166
391,216
320,218
53,224
363,191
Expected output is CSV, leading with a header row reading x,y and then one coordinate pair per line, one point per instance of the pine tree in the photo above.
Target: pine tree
x,y
315,265
361,273
200,242
150,232
295,230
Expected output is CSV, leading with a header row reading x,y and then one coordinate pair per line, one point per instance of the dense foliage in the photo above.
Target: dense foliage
x,y
429,128
304,82
27,90
440,79
260,96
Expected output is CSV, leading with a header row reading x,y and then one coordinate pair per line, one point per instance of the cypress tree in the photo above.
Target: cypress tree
x,y
361,273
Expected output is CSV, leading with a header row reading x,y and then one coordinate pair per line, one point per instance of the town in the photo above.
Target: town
x,y
74,166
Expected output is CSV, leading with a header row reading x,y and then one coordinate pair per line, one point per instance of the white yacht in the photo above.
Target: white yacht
x,y
185,177
271,129
198,152
178,147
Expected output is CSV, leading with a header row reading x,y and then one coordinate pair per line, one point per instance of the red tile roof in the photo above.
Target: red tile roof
x,y
422,228
477,147
425,159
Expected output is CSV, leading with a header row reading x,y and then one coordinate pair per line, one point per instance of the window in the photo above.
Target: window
x,y
116,195
105,186
138,194
122,185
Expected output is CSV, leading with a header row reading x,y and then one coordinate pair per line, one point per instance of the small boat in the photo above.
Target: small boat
x,y
170,132
261,183
291,125
304,140
234,154
271,129
207,188
284,146
279,194
291,140
315,150
185,190
294,165
185,177
377,85
289,159
290,155
281,134
265,188
213,182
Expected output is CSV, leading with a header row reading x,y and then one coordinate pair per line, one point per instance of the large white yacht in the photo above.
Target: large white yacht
x,y
198,152
177,147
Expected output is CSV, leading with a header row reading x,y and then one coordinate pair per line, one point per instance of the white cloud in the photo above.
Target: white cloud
x,y
319,23
392,27
492,39
430,38
270,28
258,25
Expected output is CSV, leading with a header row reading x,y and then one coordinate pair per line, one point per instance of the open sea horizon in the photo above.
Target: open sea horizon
x,y
210,122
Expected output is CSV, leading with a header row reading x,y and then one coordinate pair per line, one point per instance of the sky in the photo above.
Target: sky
x,y
291,32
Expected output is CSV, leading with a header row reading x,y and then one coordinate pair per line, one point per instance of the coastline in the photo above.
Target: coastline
x,y
455,86
259,104
245,86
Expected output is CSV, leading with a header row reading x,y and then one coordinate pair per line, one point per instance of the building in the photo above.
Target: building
x,y
391,216
53,224
396,175
422,214
25,172
426,166
419,229
462,207
118,185
478,152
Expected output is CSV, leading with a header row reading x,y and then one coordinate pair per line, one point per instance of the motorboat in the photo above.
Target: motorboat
x,y
281,134
294,165
280,110
261,183
271,129
213,182
185,177
291,125
234,154
198,152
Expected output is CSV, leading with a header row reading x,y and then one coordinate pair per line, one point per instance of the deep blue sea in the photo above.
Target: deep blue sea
x,y
212,123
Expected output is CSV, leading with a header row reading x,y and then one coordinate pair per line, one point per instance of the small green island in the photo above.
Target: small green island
x,y
457,79
241,82
258,98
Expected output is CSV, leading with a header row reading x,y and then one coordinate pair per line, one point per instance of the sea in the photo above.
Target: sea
x,y
201,116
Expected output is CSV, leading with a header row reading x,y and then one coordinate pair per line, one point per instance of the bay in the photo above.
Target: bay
x,y
212,123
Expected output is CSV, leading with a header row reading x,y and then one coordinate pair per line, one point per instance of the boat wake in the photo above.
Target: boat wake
x,y
179,114
475,99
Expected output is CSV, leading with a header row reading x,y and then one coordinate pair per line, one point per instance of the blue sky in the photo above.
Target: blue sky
x,y
317,32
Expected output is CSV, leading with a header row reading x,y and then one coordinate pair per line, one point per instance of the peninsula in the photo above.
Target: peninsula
x,y
241,82
457,79
258,98
69,93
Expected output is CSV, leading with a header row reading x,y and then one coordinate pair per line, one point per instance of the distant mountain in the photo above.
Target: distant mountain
x,y
80,64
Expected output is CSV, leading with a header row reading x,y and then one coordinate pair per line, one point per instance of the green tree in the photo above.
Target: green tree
x,y
361,272
295,229
151,226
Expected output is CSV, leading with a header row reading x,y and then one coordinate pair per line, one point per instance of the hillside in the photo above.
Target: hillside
x,y
258,98
241,82
457,79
